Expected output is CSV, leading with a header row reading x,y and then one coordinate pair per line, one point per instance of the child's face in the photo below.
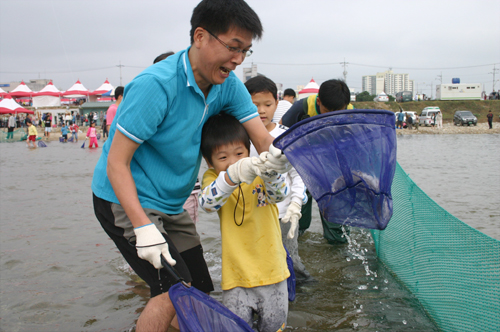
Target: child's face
x,y
266,106
226,155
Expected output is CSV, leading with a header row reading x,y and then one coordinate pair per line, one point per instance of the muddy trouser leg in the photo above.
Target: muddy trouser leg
x,y
292,245
305,220
333,232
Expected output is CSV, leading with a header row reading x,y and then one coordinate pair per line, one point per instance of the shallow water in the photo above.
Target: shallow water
x,y
60,272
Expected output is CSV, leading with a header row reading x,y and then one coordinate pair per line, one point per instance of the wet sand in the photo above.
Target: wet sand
x,y
448,128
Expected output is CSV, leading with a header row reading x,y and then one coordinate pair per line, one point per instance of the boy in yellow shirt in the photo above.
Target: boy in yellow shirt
x,y
32,133
254,268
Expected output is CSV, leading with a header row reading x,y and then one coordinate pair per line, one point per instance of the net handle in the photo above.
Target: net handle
x,y
172,271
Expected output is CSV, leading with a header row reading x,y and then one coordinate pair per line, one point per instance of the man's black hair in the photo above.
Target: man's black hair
x,y
290,92
219,130
163,56
334,95
218,16
118,92
261,84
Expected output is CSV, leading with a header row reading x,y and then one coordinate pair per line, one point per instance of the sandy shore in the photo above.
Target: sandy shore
x,y
450,128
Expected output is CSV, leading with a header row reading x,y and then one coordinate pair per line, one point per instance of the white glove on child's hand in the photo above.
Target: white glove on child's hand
x,y
244,170
276,161
292,215
151,244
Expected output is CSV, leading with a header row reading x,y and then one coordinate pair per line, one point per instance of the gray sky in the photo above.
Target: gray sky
x,y
87,40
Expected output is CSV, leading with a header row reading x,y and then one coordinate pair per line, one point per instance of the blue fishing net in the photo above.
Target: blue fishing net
x,y
198,312
290,282
347,159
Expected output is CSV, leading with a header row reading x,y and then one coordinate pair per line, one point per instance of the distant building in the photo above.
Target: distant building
x,y
387,82
248,73
459,91
34,85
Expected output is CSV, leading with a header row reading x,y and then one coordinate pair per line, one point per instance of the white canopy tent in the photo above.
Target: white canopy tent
x,y
9,105
311,88
21,90
77,91
48,96
105,87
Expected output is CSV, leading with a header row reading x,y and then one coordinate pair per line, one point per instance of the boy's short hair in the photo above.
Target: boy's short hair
x,y
118,91
163,56
261,84
334,95
218,16
219,130
289,92
28,120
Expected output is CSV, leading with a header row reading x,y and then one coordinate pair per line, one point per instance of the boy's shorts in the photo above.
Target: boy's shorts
x,y
65,136
269,302
32,138
48,129
183,242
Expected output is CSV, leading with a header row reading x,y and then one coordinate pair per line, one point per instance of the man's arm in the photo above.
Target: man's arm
x,y
120,176
259,135
294,114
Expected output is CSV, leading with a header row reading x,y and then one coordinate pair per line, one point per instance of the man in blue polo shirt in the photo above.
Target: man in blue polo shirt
x,y
151,160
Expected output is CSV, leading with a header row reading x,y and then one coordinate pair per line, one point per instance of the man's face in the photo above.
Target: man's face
x,y
216,61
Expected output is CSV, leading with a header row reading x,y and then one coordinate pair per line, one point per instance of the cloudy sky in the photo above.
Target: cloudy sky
x,y
88,40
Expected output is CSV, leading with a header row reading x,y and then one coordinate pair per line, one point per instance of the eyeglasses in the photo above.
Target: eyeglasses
x,y
246,53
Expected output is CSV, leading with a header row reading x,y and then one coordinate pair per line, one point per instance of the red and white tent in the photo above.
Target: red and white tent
x,y
2,93
311,88
105,87
48,96
22,90
77,90
8,105
49,90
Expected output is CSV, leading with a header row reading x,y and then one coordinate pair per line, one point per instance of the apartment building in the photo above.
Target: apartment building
x,y
387,82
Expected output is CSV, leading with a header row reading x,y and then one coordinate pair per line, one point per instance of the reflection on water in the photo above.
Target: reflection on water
x,y
60,272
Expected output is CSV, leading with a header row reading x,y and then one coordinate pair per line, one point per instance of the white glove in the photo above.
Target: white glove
x,y
276,161
151,244
292,215
244,170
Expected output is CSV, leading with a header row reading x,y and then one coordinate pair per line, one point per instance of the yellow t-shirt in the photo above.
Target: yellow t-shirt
x,y
252,253
32,130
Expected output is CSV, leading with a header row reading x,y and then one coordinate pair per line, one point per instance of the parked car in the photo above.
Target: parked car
x,y
494,95
464,118
381,97
426,115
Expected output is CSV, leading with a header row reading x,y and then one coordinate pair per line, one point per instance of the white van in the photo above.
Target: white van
x,y
426,115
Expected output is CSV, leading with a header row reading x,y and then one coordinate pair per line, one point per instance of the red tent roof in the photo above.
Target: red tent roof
x,y
49,90
311,87
105,87
77,90
22,90
8,105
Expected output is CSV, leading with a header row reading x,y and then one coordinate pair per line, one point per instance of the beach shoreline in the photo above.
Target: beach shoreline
x,y
448,129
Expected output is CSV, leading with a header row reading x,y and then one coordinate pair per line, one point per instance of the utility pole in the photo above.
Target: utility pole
x,y
494,72
440,77
345,70
120,65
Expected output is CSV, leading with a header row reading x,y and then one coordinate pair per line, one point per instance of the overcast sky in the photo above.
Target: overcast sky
x,y
87,40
